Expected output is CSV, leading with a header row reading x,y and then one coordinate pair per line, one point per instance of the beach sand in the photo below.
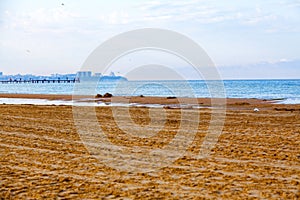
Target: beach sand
x,y
256,157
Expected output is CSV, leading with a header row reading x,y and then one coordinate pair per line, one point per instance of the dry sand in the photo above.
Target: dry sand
x,y
257,155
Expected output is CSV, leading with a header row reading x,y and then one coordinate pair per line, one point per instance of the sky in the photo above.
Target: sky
x,y
245,39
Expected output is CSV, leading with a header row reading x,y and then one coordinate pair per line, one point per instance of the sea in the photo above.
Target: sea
x,y
284,91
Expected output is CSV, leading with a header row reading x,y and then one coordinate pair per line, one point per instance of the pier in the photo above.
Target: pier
x,y
41,81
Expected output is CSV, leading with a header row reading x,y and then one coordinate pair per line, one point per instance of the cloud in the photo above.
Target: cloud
x,y
259,17
268,16
41,19
116,17
60,20
175,11
291,3
151,13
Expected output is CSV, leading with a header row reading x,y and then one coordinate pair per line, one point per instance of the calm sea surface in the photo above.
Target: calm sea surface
x,y
289,90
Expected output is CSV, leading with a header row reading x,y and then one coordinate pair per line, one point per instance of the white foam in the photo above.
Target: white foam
x,y
289,101
84,102
18,101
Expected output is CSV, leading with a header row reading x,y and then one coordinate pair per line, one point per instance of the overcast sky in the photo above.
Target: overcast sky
x,y
245,39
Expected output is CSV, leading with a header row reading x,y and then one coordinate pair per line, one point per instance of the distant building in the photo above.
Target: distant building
x,y
84,74
1,73
112,74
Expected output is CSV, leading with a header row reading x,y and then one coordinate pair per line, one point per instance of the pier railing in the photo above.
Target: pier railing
x,y
41,81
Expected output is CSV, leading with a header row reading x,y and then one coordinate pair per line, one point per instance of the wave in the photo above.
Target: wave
x,y
289,101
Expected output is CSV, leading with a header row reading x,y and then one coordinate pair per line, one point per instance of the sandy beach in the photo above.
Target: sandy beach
x,y
256,157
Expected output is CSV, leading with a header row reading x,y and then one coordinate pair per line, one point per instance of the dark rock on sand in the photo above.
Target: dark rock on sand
x,y
171,97
98,96
107,95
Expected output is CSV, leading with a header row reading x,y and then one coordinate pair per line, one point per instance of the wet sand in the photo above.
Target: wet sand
x,y
137,99
257,156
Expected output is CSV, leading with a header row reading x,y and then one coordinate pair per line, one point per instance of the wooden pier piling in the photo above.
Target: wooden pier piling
x,y
41,81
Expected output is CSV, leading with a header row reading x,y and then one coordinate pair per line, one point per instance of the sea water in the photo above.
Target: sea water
x,y
288,91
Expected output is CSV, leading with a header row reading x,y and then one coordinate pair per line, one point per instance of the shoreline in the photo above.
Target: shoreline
x,y
144,99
